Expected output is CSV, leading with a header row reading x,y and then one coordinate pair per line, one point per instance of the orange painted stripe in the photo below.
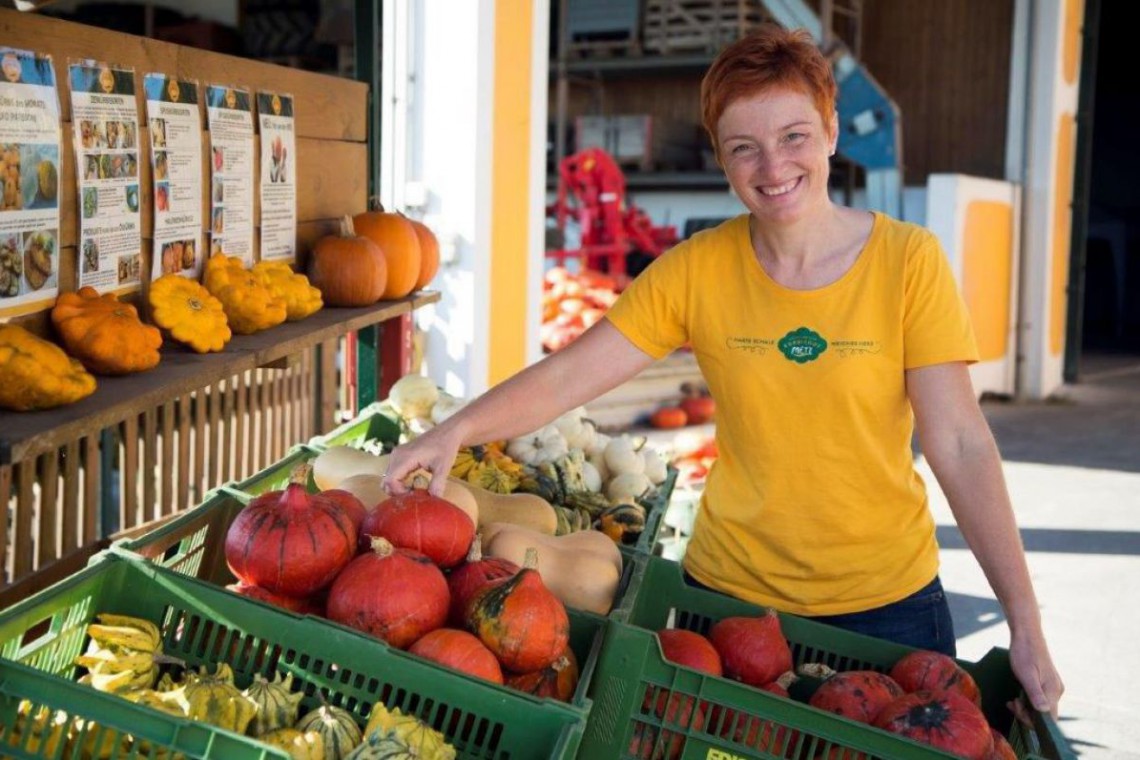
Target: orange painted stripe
x,y
987,269
1062,231
510,183
1071,50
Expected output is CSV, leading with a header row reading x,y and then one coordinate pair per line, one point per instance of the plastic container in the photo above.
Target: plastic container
x,y
204,624
715,718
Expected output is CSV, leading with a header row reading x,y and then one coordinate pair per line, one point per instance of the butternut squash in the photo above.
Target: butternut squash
x,y
526,510
582,569
369,488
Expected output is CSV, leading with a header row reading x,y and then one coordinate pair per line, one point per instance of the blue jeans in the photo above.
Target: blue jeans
x,y
921,620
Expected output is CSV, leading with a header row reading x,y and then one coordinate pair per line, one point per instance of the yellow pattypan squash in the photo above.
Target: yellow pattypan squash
x,y
36,374
301,298
104,333
250,306
189,312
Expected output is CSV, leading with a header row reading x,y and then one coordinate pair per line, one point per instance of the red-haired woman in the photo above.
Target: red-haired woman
x,y
827,335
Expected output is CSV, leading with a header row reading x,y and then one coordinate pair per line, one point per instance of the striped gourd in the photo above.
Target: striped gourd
x,y
277,705
213,699
336,727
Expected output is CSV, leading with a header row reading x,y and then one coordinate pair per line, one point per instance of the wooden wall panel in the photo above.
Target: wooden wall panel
x,y
947,66
333,108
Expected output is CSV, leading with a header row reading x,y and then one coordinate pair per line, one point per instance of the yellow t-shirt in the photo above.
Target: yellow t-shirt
x,y
814,506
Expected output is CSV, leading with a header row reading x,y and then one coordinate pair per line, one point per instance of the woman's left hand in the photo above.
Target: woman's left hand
x,y
1031,663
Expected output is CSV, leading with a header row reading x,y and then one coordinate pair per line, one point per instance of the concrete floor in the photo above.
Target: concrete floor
x,y
1072,465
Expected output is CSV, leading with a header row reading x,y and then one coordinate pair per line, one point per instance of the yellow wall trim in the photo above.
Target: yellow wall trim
x,y
510,202
1062,232
987,267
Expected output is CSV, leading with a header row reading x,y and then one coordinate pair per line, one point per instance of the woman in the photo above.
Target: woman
x,y
826,335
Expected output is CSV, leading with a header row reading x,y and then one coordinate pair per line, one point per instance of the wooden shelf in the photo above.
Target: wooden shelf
x,y
646,65
182,371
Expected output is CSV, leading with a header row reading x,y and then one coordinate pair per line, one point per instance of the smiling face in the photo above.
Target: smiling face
x,y
774,147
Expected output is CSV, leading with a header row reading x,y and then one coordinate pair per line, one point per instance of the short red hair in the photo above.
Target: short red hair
x,y
770,56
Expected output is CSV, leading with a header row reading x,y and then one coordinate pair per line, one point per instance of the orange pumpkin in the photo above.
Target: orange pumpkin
x,y
104,333
429,253
348,269
396,237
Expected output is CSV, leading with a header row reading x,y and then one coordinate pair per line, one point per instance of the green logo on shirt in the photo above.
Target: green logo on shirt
x,y
802,345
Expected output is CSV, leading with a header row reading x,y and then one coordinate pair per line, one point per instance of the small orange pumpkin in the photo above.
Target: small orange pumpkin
x,y
104,333
401,246
429,253
348,269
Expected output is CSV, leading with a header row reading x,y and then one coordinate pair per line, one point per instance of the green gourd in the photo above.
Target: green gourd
x,y
277,704
336,727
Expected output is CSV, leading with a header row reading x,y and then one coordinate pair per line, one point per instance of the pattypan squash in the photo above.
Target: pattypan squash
x,y
189,312
36,374
301,298
249,305
105,333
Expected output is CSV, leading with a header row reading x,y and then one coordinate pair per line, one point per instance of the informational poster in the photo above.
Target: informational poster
x,y
29,177
174,125
278,176
105,122
230,113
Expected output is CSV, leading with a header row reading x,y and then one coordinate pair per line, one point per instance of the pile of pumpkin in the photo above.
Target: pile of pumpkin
x,y
572,303
585,479
695,407
926,696
125,658
411,572
105,336
391,257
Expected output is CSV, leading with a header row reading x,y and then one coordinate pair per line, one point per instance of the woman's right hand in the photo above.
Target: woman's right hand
x,y
433,451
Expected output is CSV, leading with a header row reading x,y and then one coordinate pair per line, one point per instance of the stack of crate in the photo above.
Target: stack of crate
x,y
698,26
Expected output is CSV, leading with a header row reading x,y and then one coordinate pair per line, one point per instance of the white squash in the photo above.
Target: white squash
x,y
413,396
446,406
622,457
655,468
575,428
591,477
597,445
543,445
339,463
626,485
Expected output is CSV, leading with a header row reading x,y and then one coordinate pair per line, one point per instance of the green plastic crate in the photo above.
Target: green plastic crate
x,y
375,424
734,718
203,624
194,544
277,475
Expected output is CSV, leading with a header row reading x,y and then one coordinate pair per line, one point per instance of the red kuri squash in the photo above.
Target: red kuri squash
x,y
555,682
459,650
690,649
396,595
752,649
290,542
307,606
857,694
945,720
473,576
933,671
422,522
520,620
351,505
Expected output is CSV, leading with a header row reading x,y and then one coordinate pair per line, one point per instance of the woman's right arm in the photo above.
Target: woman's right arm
x,y
600,359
